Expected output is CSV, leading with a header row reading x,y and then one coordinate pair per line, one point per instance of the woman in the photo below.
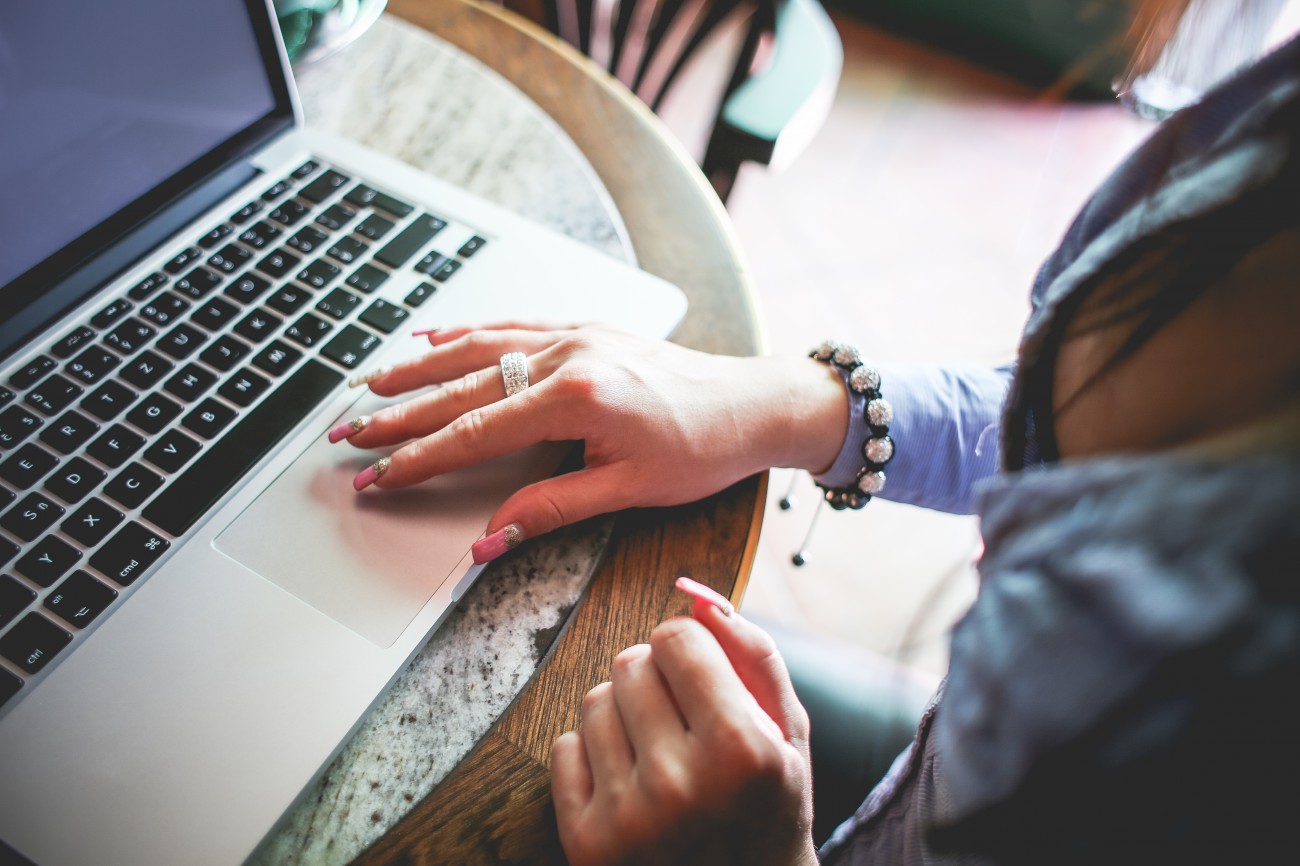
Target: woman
x,y
1122,688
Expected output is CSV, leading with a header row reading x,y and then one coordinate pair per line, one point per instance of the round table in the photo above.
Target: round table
x,y
452,764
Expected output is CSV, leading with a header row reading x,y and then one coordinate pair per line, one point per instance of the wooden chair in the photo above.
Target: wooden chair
x,y
782,76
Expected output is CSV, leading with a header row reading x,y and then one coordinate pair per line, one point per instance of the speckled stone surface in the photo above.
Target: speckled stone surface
x,y
402,91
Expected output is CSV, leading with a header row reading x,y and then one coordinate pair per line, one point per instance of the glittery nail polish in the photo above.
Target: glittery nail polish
x,y
367,476
349,428
367,378
490,547
697,590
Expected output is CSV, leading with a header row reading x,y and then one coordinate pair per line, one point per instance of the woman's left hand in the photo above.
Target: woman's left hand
x,y
696,752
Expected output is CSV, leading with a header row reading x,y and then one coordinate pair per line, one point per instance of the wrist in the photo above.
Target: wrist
x,y
811,415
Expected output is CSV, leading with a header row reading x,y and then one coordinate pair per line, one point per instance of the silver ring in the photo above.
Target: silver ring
x,y
514,372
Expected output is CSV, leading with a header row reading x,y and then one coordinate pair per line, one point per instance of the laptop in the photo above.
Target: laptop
x,y
196,608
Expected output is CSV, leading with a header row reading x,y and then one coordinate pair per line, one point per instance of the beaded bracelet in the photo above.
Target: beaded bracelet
x,y
878,447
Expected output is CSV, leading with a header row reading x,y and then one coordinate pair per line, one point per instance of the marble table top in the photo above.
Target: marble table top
x,y
402,91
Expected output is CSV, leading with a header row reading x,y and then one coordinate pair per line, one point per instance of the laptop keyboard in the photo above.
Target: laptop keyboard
x,y
123,433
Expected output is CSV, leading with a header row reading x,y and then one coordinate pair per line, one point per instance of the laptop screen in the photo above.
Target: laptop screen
x,y
110,110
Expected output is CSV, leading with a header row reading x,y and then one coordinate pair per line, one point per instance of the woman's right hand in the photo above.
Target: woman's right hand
x,y
660,424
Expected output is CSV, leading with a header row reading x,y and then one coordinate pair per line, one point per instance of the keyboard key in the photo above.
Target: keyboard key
x,y
337,303
190,383
133,485
305,170
307,241
410,241
347,250
6,394
33,642
367,278
259,236
92,522
130,336
182,260
247,288
69,432
164,309
75,479
318,274
336,216
9,686
224,354
49,560
215,314
53,395
14,597
115,445
181,341
289,299
16,424
351,346
172,451
247,212
445,271
91,365
33,372
197,283
277,191
187,498
31,516
277,358
256,327
147,370
243,388
471,246
208,418
65,348
146,287
431,262
8,550
385,317
374,227
114,312
420,294
278,263
360,195
216,236
308,330
80,598
109,400
393,206
230,259
153,413
27,465
129,554
324,186
288,213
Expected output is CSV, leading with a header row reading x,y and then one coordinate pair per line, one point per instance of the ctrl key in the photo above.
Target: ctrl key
x,y
33,642
129,553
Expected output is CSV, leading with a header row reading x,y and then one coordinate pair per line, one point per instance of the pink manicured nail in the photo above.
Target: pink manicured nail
x,y
695,589
367,476
367,378
349,428
425,332
506,538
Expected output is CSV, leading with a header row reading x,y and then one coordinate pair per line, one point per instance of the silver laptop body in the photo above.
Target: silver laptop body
x,y
181,720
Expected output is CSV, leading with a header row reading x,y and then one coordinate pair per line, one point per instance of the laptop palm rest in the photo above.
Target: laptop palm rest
x,y
371,560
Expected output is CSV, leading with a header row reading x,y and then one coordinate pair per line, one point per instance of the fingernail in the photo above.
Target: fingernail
x,y
367,476
489,548
349,428
367,378
695,589
425,332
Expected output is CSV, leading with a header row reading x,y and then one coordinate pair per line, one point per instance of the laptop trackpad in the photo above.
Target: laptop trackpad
x,y
371,560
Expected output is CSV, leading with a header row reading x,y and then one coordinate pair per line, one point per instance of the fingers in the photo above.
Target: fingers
x,y
754,656
439,336
456,356
698,673
571,781
608,750
547,505
644,703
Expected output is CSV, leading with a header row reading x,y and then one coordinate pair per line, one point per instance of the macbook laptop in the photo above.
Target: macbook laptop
x,y
196,609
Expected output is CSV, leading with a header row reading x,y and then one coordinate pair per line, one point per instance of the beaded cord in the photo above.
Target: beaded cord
x,y
877,448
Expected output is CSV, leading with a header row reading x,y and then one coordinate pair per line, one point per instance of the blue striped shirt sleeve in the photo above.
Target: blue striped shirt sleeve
x,y
945,432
